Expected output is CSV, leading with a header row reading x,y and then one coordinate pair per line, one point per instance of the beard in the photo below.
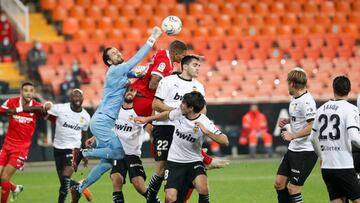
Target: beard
x,y
128,100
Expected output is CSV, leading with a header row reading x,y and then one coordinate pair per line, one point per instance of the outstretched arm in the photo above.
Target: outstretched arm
x,y
144,50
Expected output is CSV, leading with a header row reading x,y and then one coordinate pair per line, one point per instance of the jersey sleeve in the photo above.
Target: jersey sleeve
x,y
352,119
55,110
310,110
175,114
161,67
86,126
358,102
4,106
208,124
162,90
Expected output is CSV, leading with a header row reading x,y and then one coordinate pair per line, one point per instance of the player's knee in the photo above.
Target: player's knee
x,y
279,185
170,197
203,189
138,185
294,189
117,181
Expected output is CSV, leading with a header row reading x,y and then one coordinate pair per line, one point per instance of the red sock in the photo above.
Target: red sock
x,y
13,186
5,190
207,159
188,195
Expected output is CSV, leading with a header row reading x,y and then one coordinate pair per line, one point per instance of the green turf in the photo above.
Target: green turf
x,y
249,181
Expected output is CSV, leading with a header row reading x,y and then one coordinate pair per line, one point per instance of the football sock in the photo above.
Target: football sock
x,y
118,197
154,186
296,198
157,200
204,198
283,195
5,190
64,188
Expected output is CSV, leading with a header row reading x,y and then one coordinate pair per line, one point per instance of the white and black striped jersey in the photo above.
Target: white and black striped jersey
x,y
171,90
69,126
130,133
187,138
301,109
335,124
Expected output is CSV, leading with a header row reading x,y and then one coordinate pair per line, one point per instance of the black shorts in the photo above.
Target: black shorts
x,y
341,183
356,157
131,164
63,157
181,175
297,166
163,135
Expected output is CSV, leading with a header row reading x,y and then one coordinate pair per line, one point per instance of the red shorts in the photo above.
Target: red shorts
x,y
14,156
142,106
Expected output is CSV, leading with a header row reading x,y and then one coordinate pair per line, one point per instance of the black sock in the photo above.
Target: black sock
x,y
118,197
283,195
204,198
64,187
296,198
73,183
157,200
154,186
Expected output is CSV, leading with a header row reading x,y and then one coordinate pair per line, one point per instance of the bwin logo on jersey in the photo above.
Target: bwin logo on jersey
x,y
185,137
75,127
178,97
123,127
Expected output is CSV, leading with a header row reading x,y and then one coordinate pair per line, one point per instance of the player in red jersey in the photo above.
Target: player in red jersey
x,y
18,137
160,67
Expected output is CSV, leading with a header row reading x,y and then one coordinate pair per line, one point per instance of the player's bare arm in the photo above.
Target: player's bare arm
x,y
159,117
219,138
159,106
84,137
302,133
154,81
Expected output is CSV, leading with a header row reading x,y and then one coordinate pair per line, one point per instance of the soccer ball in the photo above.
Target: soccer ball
x,y
171,25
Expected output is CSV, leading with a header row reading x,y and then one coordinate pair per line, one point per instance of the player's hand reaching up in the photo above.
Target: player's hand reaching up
x,y
283,122
156,32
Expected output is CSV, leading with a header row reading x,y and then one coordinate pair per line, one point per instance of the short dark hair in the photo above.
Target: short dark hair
x,y
194,99
341,85
177,46
188,58
106,57
27,83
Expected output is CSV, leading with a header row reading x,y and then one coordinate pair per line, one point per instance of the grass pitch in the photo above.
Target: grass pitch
x,y
243,181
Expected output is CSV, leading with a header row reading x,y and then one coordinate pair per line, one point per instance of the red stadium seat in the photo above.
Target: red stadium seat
x,y
77,12
23,49
244,8
70,26
112,12
74,47
146,11
87,24
277,8
81,35
59,14
289,19
58,47
83,3
178,10
98,35
105,24
48,5
102,4
92,47
66,4
243,54
94,12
